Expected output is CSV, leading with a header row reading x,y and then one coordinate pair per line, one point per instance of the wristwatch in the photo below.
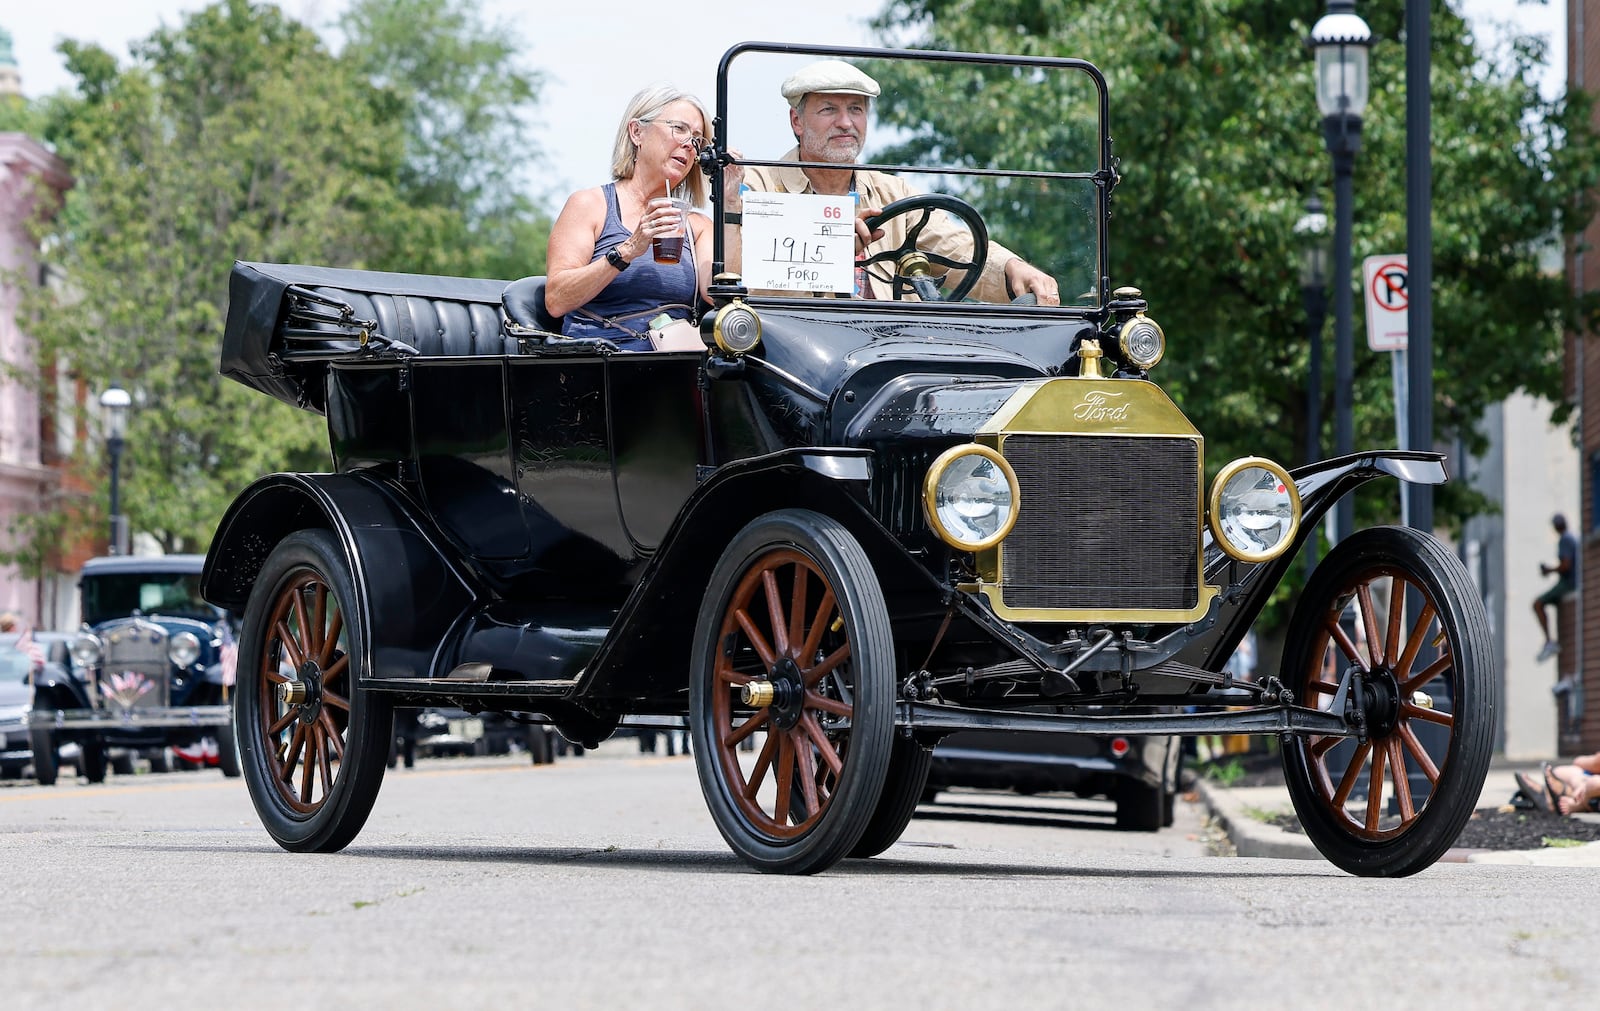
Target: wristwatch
x,y
614,257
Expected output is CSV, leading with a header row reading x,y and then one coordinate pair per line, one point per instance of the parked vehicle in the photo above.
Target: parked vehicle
x,y
16,700
842,531
151,669
1138,772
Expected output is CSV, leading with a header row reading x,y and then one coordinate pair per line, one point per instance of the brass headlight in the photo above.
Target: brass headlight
x,y
1255,509
736,328
970,497
1142,341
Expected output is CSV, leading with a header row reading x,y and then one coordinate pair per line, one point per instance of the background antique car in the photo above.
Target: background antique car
x,y
844,530
149,670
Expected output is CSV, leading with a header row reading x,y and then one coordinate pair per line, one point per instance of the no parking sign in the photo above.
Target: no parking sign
x,y
1388,321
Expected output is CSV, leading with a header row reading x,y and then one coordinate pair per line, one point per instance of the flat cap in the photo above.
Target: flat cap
x,y
833,77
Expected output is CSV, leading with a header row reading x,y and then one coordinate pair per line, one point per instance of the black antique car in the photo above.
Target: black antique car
x,y
839,532
150,670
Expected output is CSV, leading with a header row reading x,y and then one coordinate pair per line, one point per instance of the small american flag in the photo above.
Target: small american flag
x,y
27,644
228,656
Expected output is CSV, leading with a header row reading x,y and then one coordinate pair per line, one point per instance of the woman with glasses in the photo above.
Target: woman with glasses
x,y
603,274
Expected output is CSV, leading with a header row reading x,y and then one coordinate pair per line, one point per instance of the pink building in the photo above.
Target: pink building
x,y
27,481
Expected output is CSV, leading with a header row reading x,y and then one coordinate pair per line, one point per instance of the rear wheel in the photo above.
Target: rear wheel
x,y
903,789
228,751
1421,685
795,617
1142,808
122,763
92,760
312,742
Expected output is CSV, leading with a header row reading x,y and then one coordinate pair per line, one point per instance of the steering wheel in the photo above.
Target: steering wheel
x,y
927,203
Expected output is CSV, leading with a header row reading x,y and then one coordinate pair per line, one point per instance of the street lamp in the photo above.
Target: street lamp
x,y
1312,232
114,404
1340,40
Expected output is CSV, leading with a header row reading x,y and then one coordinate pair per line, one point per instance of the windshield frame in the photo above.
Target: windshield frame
x,y
1103,175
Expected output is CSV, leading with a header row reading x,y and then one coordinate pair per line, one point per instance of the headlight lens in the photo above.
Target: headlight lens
x,y
736,328
1255,509
183,649
86,651
970,497
1142,341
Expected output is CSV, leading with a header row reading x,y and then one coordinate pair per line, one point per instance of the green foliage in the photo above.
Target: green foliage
x,y
238,135
1220,144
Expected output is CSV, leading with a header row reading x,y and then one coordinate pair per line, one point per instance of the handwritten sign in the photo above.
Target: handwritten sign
x,y
799,242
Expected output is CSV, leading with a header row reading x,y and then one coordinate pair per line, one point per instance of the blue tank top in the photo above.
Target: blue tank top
x,y
637,294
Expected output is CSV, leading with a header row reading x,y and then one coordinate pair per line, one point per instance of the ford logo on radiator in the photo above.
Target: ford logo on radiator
x,y
1100,405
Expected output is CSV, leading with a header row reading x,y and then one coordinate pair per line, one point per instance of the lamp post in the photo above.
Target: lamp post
x,y
1312,231
114,404
1340,40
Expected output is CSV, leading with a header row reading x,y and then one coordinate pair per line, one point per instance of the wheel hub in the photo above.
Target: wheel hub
x,y
1381,702
788,694
304,692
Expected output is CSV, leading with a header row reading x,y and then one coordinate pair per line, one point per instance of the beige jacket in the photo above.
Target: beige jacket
x,y
877,189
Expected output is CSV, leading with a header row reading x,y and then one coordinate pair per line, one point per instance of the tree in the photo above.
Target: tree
x,y
1220,143
236,135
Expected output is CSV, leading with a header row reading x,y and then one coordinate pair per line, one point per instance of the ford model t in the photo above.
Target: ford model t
x,y
837,532
150,670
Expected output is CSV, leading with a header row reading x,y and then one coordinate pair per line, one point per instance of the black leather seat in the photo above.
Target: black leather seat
x,y
523,302
434,326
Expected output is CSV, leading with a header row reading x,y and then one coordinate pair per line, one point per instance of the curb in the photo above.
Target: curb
x,y
1249,836
1233,810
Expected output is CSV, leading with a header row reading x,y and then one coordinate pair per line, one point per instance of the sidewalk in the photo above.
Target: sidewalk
x,y
1241,813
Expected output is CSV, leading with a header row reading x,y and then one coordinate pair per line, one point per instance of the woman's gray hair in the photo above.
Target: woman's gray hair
x,y
645,107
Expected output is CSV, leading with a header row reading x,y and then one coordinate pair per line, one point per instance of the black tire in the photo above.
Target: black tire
x,y
902,791
540,748
160,760
228,751
829,652
122,763
1141,807
313,768
92,760
1322,772
46,762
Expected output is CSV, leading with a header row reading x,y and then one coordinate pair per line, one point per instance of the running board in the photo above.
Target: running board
x,y
915,716
457,688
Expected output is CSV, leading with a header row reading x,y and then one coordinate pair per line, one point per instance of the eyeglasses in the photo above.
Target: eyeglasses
x,y
683,133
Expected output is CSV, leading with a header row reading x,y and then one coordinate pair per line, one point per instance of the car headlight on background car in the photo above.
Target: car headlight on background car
x,y
1255,509
183,649
86,650
1142,341
970,497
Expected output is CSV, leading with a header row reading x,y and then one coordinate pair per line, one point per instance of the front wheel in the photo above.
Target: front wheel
x,y
46,764
312,741
1391,615
793,651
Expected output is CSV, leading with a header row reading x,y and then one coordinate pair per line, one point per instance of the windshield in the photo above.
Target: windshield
x,y
117,595
1020,140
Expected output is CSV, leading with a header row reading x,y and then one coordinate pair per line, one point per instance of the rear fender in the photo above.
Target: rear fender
x,y
408,593
1246,587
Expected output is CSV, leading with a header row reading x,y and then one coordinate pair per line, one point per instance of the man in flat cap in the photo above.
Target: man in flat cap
x,y
829,103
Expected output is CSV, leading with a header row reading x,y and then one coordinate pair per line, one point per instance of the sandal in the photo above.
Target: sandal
x,y
1538,793
1556,786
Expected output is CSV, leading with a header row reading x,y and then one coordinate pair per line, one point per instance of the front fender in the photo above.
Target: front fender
x,y
1246,587
408,592
646,655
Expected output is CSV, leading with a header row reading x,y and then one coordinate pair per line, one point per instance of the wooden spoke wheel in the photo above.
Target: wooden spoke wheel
x,y
312,743
794,654
1391,634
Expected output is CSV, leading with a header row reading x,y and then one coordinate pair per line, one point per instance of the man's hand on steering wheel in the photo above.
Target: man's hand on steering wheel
x,y
923,206
1023,277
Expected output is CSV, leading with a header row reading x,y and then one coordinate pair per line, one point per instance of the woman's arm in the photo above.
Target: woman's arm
x,y
702,252
574,277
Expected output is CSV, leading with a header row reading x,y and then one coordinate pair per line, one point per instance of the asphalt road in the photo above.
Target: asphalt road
x,y
600,882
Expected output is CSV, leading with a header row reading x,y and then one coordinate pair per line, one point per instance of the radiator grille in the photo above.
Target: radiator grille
x,y
1107,522
135,671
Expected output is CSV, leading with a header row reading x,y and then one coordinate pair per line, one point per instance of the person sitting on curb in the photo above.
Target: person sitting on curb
x,y
1566,572
1565,789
